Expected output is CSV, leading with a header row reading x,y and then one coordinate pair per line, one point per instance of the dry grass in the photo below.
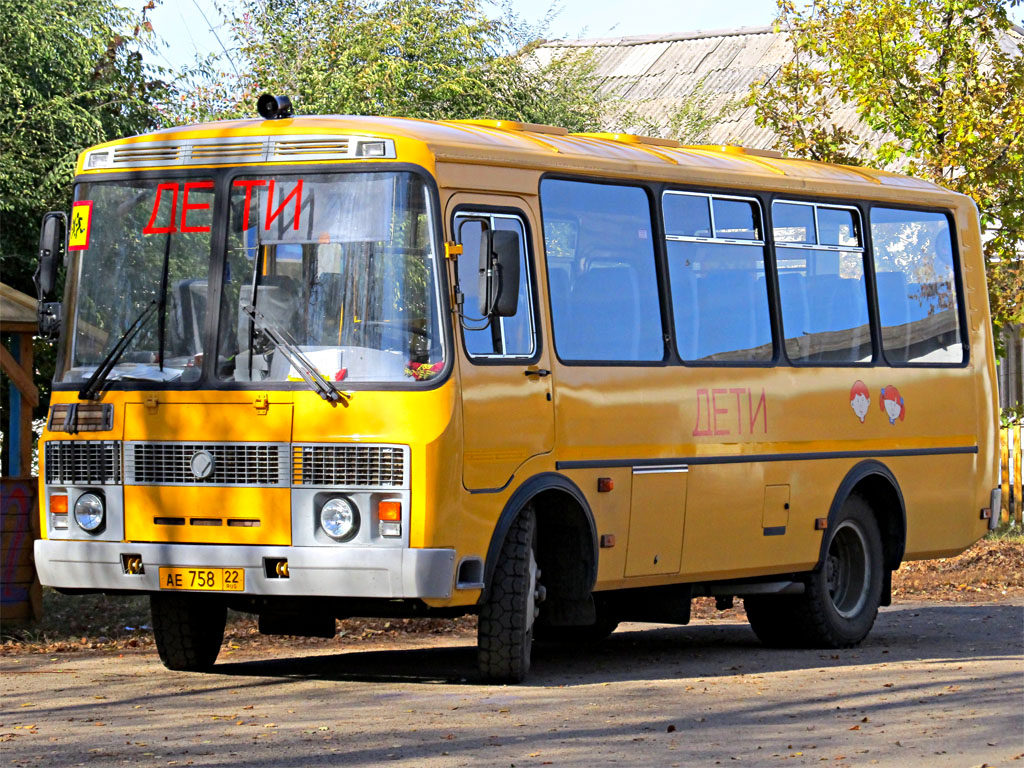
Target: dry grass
x,y
992,568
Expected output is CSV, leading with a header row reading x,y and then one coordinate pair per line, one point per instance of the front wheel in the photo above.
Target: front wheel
x,y
840,602
505,626
188,630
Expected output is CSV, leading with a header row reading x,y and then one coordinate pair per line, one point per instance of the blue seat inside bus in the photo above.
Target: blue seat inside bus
x,y
733,308
613,329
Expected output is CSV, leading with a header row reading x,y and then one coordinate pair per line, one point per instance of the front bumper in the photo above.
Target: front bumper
x,y
313,571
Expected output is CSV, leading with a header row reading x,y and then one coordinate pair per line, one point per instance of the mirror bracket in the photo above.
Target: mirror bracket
x,y
50,316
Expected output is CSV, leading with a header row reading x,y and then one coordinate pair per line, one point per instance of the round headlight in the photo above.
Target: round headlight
x,y
89,512
339,519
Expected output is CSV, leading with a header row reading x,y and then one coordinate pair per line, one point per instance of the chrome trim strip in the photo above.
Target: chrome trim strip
x,y
663,469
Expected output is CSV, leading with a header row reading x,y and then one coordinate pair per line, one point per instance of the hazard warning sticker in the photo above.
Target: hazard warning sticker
x,y
81,224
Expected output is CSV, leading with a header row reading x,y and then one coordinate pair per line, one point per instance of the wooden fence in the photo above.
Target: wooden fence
x,y
1010,477
20,593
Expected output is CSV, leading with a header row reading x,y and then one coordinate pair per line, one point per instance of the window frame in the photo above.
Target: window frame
x,y
473,210
867,255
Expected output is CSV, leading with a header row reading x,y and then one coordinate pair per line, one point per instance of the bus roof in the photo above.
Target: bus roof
x,y
511,144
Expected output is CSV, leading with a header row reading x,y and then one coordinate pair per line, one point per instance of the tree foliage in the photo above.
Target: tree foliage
x,y
433,59
72,75
939,84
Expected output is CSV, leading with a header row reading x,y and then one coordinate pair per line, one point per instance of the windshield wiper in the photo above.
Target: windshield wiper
x,y
282,340
90,390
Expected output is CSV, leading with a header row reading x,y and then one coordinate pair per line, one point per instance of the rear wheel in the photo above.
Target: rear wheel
x,y
840,603
188,630
505,626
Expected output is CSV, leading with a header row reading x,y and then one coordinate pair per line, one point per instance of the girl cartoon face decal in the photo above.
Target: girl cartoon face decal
x,y
892,404
860,399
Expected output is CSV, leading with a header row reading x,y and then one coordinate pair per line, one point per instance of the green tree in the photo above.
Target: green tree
x,y
72,75
433,59
938,83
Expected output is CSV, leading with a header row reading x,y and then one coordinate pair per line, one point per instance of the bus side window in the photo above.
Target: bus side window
x,y
917,299
611,311
820,260
716,274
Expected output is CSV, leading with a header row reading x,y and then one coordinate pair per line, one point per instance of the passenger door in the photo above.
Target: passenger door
x,y
507,411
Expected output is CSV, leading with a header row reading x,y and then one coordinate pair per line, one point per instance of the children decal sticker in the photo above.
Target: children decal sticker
x,y
81,224
860,399
892,404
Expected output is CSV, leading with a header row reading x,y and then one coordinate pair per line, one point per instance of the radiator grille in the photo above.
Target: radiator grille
x,y
251,464
83,462
361,466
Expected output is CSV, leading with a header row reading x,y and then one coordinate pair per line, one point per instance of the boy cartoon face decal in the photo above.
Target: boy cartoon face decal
x,y
892,404
860,399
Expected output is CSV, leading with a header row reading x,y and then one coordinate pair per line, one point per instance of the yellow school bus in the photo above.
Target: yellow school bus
x,y
313,367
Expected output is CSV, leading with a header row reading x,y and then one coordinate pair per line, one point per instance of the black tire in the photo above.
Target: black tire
x,y
840,603
505,626
188,630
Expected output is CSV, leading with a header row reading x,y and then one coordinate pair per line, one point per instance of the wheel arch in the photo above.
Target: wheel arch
x,y
547,490
876,483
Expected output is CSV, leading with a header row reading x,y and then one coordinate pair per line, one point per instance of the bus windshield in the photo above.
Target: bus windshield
x,y
341,264
344,264
136,243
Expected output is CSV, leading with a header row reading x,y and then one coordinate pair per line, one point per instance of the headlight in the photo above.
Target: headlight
x,y
89,512
339,519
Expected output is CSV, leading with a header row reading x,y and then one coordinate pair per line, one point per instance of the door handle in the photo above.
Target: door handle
x,y
537,372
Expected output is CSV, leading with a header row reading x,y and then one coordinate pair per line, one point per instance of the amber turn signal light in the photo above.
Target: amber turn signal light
x,y
59,505
390,511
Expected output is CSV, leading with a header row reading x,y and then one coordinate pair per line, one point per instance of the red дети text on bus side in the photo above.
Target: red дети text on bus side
x,y
186,206
250,184
721,412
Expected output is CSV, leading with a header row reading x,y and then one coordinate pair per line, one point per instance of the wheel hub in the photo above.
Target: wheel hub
x,y
848,569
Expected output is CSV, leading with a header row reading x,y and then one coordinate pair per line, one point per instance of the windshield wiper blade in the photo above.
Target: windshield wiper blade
x,y
90,390
280,339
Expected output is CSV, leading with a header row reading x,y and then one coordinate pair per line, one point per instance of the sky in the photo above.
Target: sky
x,y
186,32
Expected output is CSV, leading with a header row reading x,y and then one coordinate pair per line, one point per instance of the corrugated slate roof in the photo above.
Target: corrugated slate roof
x,y
654,74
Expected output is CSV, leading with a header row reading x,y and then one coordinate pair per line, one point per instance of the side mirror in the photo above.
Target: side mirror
x,y
499,273
51,246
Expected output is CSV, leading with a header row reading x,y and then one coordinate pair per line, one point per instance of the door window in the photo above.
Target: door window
x,y
501,337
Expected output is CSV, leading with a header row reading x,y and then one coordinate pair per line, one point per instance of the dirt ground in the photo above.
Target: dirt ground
x,y
991,570
936,684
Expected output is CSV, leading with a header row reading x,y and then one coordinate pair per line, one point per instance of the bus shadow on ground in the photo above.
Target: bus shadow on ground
x,y
636,652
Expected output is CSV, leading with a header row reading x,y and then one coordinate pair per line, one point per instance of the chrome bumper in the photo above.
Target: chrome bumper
x,y
313,571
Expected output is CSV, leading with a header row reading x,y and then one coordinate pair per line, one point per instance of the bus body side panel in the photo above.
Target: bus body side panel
x,y
983,359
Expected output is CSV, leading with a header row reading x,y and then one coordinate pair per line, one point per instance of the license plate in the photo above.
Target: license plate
x,y
212,579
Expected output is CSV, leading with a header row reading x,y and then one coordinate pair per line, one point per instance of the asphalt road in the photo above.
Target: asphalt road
x,y
935,684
